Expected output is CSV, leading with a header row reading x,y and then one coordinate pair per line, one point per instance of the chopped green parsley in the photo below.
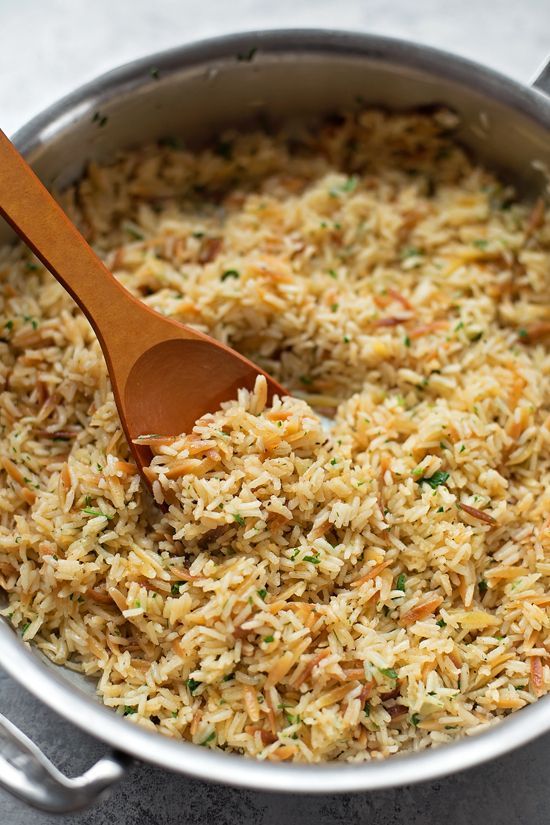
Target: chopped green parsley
x,y
348,186
400,583
230,273
90,511
246,57
410,252
100,119
435,480
312,559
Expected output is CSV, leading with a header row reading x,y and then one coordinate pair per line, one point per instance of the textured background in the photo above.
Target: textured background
x,y
47,48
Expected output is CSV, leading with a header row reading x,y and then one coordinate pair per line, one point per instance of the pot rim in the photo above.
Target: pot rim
x,y
96,719
62,114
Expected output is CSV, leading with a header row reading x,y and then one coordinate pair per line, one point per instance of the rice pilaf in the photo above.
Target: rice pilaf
x,y
310,593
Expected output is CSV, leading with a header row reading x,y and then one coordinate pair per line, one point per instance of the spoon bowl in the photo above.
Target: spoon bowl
x,y
193,375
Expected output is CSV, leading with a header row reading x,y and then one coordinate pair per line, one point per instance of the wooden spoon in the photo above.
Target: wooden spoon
x,y
165,375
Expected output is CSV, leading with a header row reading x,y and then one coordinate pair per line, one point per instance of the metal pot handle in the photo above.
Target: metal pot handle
x,y
26,773
541,81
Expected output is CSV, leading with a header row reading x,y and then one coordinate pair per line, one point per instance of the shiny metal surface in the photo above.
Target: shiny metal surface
x,y
202,89
541,80
26,772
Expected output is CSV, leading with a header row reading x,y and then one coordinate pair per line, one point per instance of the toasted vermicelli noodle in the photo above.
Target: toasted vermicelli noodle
x,y
310,592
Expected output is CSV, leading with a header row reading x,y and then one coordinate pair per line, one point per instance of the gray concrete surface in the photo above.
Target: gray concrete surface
x,y
47,47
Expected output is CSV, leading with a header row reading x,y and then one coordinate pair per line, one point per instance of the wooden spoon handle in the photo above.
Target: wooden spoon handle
x,y
33,213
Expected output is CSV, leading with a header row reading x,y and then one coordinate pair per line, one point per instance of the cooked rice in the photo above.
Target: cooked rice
x,y
311,593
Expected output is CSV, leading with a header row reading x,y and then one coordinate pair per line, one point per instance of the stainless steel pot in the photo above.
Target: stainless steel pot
x,y
197,91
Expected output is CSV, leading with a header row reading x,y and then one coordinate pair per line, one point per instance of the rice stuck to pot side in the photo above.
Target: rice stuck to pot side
x,y
311,593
